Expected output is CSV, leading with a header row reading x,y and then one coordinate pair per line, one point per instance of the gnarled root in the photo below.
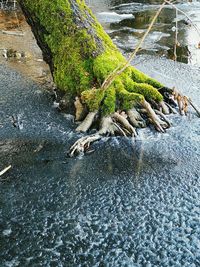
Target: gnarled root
x,y
81,111
159,124
163,117
127,127
125,95
107,126
83,144
87,123
164,108
182,102
172,110
135,118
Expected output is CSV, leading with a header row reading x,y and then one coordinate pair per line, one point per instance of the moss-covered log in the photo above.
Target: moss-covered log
x,y
81,56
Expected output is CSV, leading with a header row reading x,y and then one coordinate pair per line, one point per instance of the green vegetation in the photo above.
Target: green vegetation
x,y
79,65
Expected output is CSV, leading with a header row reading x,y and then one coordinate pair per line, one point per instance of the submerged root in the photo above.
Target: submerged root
x,y
83,144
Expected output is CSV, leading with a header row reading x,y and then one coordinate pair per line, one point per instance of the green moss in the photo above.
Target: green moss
x,y
92,98
108,43
140,77
109,102
106,63
71,48
75,68
148,91
126,99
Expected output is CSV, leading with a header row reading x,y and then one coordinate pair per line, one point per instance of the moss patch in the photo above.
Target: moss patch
x,y
109,102
92,98
77,64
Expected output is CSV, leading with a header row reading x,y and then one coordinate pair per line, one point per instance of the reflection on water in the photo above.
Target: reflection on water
x,y
126,22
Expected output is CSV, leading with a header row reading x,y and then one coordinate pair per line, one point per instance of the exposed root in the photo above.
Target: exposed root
x,y
107,126
168,97
159,124
5,170
164,108
87,123
185,105
137,115
172,110
182,102
163,117
135,119
83,144
80,110
120,130
125,124
180,105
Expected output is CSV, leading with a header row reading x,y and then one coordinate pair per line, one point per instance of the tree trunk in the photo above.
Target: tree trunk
x,y
81,56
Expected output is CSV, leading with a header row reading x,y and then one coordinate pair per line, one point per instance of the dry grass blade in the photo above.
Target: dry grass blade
x,y
176,37
194,107
5,170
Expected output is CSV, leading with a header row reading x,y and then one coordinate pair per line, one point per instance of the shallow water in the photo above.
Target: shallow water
x,y
126,21
130,203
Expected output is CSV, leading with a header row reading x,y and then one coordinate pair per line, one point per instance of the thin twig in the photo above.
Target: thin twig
x,y
194,107
108,81
176,37
181,11
5,170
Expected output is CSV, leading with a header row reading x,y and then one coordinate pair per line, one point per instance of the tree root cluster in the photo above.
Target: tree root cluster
x,y
126,122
